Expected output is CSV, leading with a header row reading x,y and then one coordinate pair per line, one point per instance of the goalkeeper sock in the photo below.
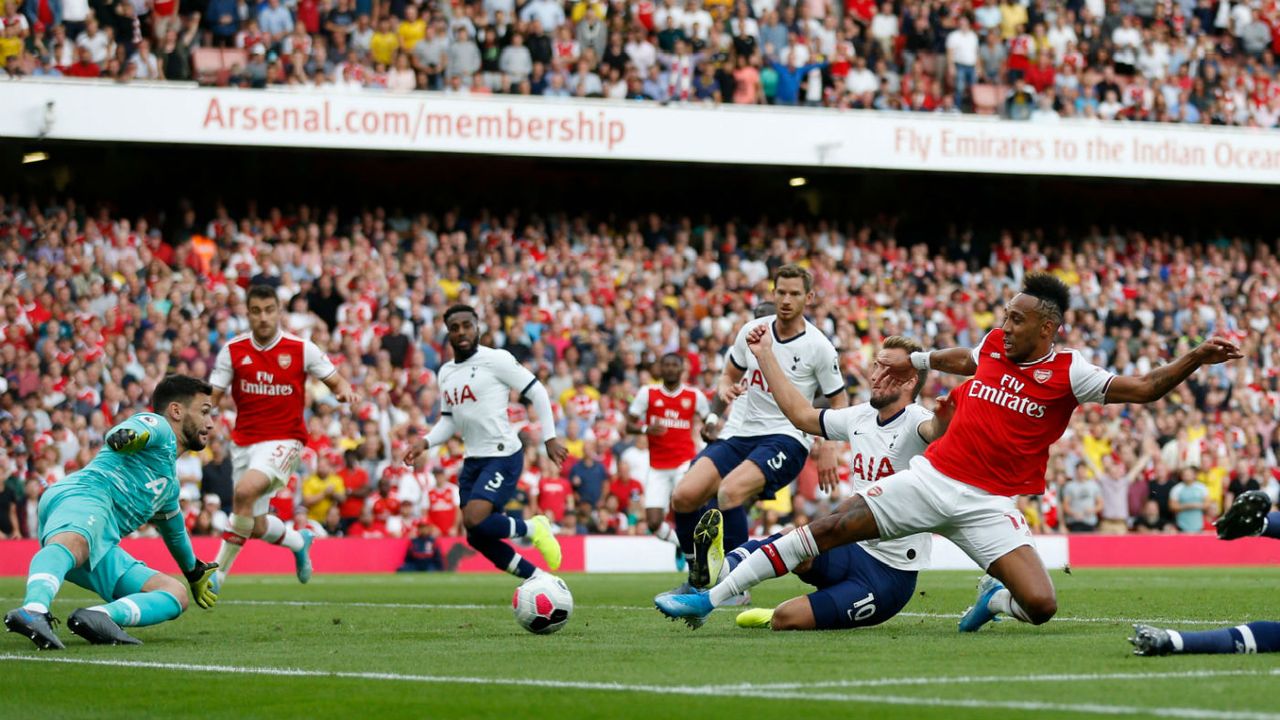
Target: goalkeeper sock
x,y
1002,602
1271,528
768,561
501,525
278,533
232,541
142,609
48,569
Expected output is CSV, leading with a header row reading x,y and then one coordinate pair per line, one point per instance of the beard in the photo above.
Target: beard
x,y
880,401
191,437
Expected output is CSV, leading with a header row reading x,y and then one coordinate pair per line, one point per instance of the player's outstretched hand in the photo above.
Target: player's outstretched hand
x,y
556,451
759,339
127,440
945,410
1218,350
416,448
200,578
900,368
350,397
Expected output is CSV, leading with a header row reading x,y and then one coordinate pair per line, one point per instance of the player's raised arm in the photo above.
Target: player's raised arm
x,y
798,409
1155,384
936,426
956,361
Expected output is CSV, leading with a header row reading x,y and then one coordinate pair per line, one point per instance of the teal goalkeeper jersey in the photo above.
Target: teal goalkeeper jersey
x,y
139,484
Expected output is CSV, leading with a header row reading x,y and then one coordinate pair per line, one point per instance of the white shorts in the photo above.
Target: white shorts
x,y
658,485
921,499
276,459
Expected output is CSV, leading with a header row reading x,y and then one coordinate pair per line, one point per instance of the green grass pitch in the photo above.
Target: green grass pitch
x,y
446,646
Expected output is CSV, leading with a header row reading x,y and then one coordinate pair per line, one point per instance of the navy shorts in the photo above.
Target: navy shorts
x,y
779,457
855,589
490,478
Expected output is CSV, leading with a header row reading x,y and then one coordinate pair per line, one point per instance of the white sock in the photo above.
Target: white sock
x,y
38,608
1176,638
1002,602
778,558
279,534
528,528
666,533
232,540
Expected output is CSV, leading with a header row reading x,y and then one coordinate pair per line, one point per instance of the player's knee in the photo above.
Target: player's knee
x,y
684,500
180,594
732,495
788,617
1040,606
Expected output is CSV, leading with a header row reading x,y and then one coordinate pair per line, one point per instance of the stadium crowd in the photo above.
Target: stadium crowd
x,y
1189,61
95,308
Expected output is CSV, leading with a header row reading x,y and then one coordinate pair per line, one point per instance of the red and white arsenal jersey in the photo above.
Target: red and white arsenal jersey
x,y
442,507
1007,416
675,412
268,384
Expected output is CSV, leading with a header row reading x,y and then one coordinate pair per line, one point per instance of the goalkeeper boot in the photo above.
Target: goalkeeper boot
x,y
1246,517
545,541
98,628
38,627
301,558
692,608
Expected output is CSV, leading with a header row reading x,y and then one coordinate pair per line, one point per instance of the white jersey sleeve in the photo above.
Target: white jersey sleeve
x,y
830,379
507,369
1088,381
221,377
740,354
976,352
835,424
640,403
701,405
317,363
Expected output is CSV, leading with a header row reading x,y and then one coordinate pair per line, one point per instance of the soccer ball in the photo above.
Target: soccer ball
x,y
542,604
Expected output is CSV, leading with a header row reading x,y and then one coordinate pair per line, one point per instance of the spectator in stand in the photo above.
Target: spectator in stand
x,y
323,489
1189,502
423,553
1081,504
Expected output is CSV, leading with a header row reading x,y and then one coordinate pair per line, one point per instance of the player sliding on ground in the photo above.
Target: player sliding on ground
x,y
766,452
131,481
475,389
1018,403
866,583
265,371
1249,516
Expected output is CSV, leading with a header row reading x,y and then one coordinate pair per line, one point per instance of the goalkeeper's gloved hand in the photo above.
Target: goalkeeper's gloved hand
x,y
127,440
200,578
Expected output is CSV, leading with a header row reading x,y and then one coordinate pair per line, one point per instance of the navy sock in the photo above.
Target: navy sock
x,y
685,522
735,528
1254,637
500,525
502,555
1273,526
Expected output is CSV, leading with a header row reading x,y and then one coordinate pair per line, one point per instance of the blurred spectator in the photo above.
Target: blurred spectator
x,y
423,553
323,489
1189,503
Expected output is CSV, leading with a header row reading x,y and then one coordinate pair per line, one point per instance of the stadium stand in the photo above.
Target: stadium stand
x,y
95,307
1211,62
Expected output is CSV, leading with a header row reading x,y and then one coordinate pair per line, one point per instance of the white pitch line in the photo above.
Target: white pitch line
x,y
1161,622
685,690
993,679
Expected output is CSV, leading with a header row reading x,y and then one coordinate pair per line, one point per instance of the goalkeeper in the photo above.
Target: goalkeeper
x,y
131,481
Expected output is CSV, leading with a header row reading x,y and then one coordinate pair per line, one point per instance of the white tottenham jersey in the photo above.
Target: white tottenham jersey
x,y
878,452
476,393
809,361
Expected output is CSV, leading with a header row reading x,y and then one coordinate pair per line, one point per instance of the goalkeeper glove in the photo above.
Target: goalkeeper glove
x,y
128,441
200,578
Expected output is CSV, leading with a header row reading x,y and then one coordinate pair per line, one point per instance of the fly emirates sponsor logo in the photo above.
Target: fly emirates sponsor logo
x,y
264,384
1006,395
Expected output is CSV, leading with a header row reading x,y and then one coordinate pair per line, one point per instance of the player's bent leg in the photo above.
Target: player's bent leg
x,y
691,493
794,614
251,486
486,532
1029,595
741,485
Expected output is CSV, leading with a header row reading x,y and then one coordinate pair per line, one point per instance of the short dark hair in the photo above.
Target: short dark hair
x,y
675,356
765,309
179,389
791,270
459,308
1052,294
261,292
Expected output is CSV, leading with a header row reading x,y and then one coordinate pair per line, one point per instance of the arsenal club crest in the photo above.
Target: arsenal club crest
x,y
1042,376
685,403
285,361
874,491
